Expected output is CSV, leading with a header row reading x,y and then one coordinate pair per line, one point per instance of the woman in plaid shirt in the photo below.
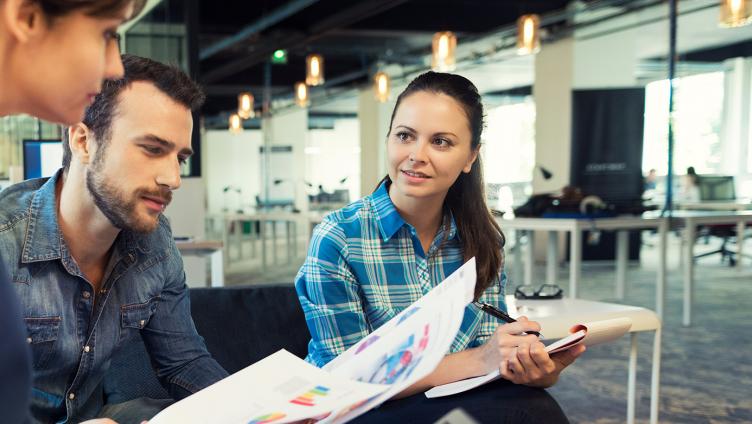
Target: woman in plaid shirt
x,y
373,258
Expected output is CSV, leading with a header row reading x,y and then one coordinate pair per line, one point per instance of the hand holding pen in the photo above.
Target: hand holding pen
x,y
498,313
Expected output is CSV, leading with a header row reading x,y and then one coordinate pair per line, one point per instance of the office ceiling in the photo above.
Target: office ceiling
x,y
237,37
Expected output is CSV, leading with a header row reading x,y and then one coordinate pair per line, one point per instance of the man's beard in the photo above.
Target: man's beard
x,y
115,204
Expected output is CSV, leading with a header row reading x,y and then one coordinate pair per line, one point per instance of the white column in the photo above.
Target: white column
x,y
735,130
552,90
374,127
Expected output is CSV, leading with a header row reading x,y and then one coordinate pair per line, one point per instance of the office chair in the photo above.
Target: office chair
x,y
718,188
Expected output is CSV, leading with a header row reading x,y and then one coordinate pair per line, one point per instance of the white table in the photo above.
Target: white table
x,y
575,227
690,220
556,317
210,248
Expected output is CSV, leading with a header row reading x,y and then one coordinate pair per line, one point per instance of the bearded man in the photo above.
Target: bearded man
x,y
91,256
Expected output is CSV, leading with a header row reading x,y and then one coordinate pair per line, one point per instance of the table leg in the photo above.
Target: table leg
x,y
530,257
739,243
295,239
254,236
689,271
274,241
217,269
660,288
517,257
632,378
552,257
226,238
655,384
575,261
239,238
262,228
288,241
622,255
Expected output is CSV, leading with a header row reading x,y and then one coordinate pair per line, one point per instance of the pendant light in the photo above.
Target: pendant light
x,y
528,34
381,87
444,44
735,13
314,69
245,105
236,124
301,94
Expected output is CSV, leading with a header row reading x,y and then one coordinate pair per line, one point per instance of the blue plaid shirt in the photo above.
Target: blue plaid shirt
x,y
365,264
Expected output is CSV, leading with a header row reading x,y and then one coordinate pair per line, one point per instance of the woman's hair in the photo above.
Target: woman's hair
x,y
480,235
98,8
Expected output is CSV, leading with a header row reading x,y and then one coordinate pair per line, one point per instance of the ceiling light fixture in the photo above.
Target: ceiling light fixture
x,y
236,124
735,13
444,44
245,105
301,94
381,87
314,69
528,34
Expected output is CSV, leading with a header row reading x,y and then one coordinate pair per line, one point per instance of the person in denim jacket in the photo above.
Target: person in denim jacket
x,y
91,256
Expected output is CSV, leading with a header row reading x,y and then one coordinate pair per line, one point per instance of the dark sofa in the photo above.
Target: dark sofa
x,y
240,325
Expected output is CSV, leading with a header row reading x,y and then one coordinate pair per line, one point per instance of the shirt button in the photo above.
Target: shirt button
x,y
71,396
87,295
141,323
87,349
28,340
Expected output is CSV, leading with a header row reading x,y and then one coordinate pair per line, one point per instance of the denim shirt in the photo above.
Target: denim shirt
x,y
73,332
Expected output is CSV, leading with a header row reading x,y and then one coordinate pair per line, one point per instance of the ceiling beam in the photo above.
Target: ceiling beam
x,y
266,21
342,19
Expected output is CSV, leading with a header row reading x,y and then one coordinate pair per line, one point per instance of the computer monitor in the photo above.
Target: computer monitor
x,y
716,187
41,158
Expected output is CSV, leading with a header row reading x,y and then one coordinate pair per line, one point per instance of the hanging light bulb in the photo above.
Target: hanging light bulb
x,y
444,44
301,94
236,125
381,86
528,34
735,13
245,105
314,69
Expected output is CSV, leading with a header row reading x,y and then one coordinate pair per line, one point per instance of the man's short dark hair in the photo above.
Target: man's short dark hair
x,y
168,79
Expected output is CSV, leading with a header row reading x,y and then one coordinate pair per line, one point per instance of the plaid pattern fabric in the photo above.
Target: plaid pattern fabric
x,y
365,264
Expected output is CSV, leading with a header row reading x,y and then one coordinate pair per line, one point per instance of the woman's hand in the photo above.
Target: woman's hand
x,y
522,359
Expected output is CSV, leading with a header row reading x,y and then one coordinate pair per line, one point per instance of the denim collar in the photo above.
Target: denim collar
x,y
389,219
44,240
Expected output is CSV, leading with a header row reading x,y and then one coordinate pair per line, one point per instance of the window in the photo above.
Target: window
x,y
698,107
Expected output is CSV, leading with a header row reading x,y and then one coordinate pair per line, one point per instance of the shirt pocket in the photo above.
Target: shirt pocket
x,y
42,333
135,316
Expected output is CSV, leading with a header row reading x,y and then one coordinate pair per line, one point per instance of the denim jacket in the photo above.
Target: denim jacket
x,y
73,332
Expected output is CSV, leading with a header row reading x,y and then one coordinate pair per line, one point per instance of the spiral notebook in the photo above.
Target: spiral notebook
x,y
589,334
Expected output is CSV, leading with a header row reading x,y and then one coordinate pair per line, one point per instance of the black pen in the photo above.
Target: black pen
x,y
498,313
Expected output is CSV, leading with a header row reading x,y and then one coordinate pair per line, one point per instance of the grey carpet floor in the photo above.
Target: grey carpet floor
x,y
706,374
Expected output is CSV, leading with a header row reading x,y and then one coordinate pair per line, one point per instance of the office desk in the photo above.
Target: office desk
x,y
556,317
722,205
690,220
210,248
264,219
575,227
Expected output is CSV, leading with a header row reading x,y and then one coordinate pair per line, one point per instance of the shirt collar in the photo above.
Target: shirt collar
x,y
390,221
44,240
43,237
